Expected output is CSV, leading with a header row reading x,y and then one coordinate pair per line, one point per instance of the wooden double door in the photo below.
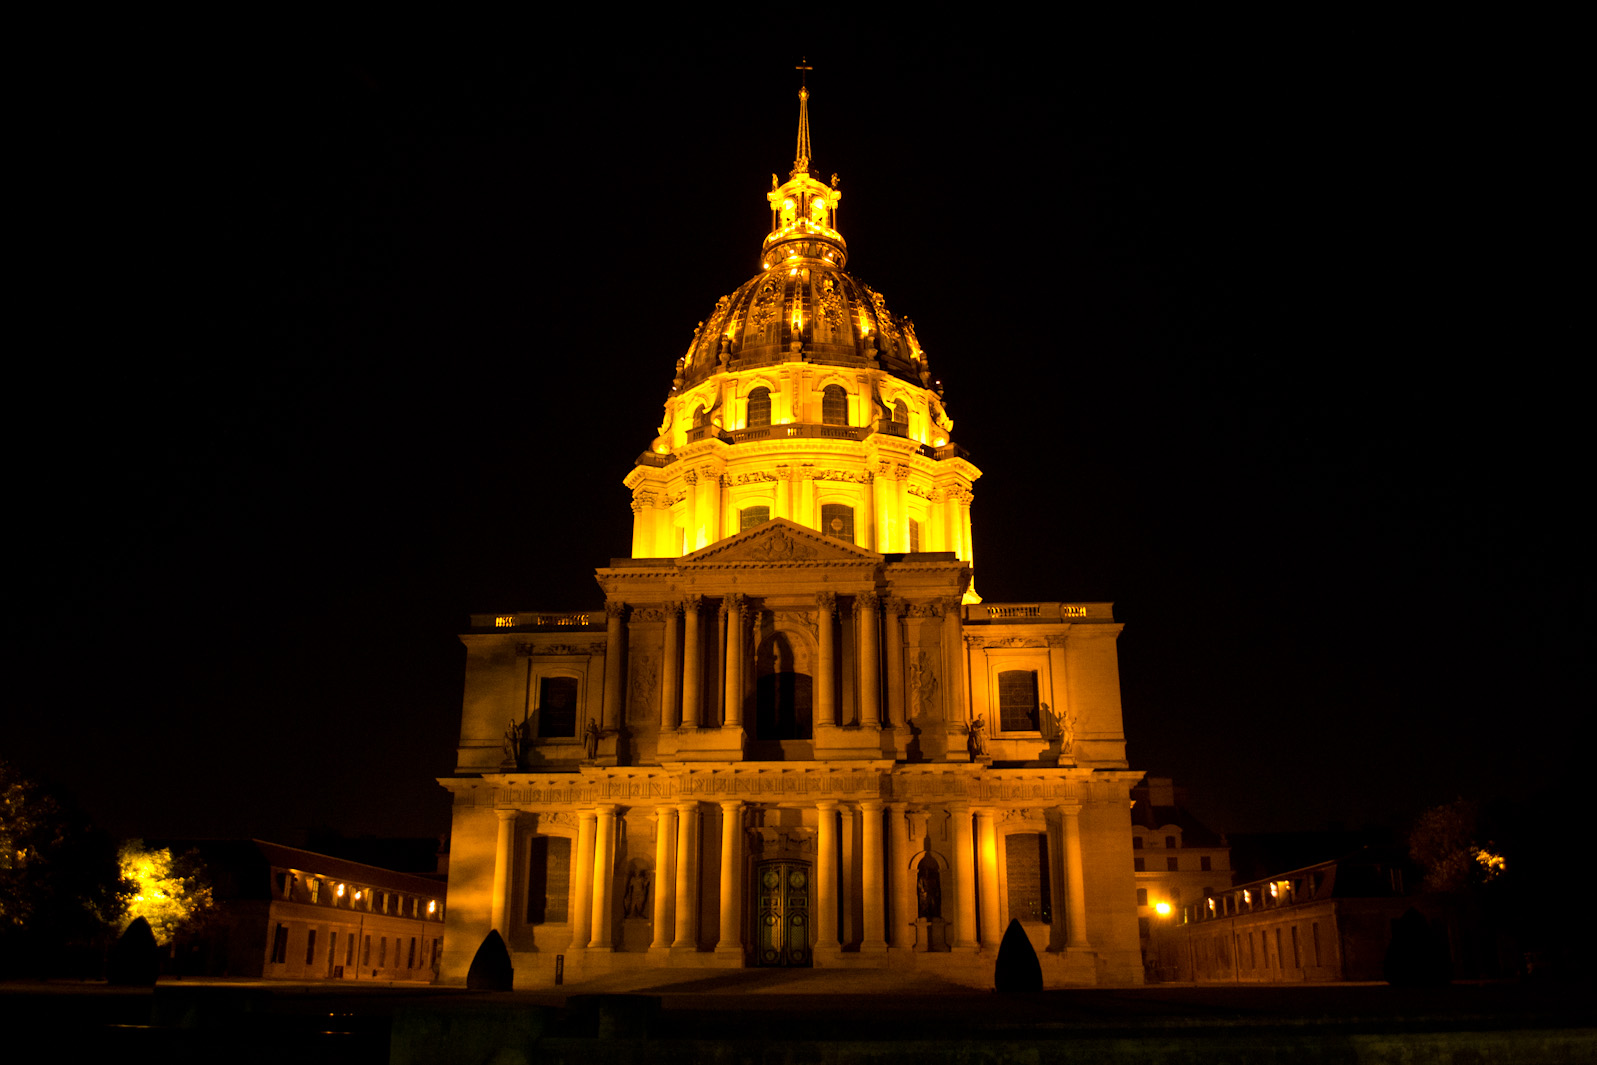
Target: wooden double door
x,y
782,922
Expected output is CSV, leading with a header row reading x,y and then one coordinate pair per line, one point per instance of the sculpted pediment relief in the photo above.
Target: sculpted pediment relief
x,y
780,540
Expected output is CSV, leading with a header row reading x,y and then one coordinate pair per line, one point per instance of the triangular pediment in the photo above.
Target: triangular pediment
x,y
780,540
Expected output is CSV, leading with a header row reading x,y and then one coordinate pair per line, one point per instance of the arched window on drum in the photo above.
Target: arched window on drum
x,y
759,407
834,406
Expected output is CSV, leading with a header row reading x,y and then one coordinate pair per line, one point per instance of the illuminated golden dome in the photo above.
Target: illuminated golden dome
x,y
801,396
802,306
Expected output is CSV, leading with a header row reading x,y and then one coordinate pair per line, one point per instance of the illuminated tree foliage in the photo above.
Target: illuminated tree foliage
x,y
173,895
1445,844
59,885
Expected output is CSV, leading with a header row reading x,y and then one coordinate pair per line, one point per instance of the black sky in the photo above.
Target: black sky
x,y
1268,346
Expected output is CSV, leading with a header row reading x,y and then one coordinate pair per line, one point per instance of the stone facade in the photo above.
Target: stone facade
x,y
795,735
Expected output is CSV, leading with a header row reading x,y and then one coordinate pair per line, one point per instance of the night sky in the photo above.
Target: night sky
x,y
1267,346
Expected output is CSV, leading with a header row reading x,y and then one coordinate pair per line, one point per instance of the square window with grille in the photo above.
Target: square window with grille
x,y
749,517
557,706
548,879
1017,700
837,520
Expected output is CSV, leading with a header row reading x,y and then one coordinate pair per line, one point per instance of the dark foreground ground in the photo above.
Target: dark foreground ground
x,y
789,1017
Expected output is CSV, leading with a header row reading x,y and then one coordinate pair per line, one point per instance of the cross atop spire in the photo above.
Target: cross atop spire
x,y
801,160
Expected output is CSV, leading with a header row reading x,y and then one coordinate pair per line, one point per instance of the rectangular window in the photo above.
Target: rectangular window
x,y
410,959
1144,928
1171,865
1280,956
557,706
1314,941
548,879
1297,956
914,535
279,944
310,947
366,951
316,888
1253,958
1142,896
332,951
1138,864
1170,841
382,952
1017,700
1026,862
1203,863
1136,843
349,951
749,517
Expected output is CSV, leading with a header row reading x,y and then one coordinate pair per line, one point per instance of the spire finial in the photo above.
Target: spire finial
x,y
801,160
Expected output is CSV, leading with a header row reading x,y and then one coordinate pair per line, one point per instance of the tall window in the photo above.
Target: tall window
x,y
1026,862
548,879
557,706
1142,896
901,412
310,947
1017,700
280,944
700,418
1204,863
837,519
759,407
834,406
749,517
914,535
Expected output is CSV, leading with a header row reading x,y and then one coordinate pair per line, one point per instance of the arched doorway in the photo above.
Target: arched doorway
x,y
782,920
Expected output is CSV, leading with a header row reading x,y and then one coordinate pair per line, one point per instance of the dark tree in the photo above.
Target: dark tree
x,y
60,887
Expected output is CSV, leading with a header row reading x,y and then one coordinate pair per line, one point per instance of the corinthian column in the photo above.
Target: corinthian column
x,y
692,663
687,870
987,855
826,876
731,941
670,670
894,630
871,867
865,605
964,876
1076,915
604,855
610,716
905,912
504,857
582,881
736,613
665,887
826,680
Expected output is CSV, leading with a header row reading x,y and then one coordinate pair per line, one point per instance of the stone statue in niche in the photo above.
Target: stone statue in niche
x,y
977,740
516,743
590,740
635,900
928,888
